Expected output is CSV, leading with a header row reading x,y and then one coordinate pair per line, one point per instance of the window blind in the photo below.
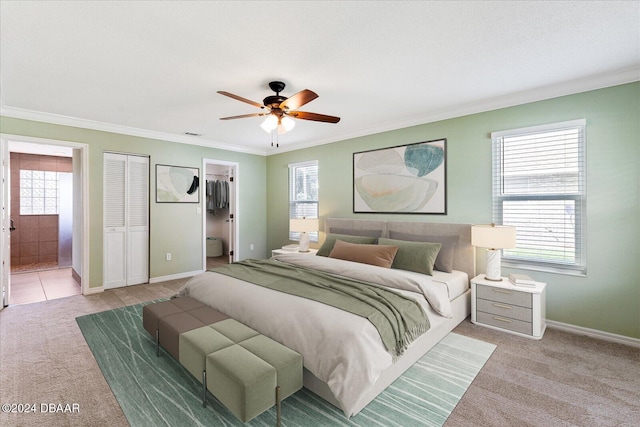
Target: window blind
x,y
303,194
539,187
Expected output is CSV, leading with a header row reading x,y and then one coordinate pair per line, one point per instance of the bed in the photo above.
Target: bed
x,y
345,360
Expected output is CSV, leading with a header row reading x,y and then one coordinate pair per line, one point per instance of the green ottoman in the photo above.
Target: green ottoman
x,y
194,347
234,330
288,363
241,381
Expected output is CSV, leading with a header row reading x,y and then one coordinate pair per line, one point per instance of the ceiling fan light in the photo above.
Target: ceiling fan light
x,y
282,129
269,124
288,123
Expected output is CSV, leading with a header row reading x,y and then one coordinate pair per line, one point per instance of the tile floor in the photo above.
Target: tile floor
x,y
42,285
36,286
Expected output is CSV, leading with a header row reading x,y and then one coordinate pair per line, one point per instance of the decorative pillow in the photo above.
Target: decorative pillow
x,y
327,246
444,261
414,256
380,255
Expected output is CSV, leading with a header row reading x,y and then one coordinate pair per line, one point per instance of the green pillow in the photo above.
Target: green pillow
x,y
414,256
327,246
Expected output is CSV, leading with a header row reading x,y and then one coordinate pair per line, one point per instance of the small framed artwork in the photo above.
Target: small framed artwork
x,y
177,184
407,179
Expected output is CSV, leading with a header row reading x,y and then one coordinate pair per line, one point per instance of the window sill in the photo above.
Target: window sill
x,y
544,268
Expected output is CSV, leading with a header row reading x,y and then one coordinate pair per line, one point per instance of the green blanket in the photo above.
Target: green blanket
x,y
399,319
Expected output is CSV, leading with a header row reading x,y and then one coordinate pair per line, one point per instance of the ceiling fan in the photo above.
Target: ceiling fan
x,y
279,109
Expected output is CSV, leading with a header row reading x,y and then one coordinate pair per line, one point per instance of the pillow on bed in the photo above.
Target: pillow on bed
x,y
414,256
327,246
444,260
380,255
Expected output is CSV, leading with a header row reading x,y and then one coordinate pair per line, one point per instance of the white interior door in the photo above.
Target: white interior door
x,y
137,220
126,220
115,171
5,250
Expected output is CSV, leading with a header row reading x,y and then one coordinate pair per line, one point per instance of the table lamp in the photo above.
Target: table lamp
x,y
303,226
493,238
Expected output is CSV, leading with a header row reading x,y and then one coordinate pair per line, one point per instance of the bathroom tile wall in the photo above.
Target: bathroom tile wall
x,y
35,239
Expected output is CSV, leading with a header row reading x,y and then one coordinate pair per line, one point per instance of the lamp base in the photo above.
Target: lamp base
x,y
304,242
493,266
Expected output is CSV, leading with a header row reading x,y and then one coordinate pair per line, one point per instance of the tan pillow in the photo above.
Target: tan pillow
x,y
380,255
330,240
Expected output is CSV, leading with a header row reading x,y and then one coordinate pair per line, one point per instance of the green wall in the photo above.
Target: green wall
x,y
608,298
175,228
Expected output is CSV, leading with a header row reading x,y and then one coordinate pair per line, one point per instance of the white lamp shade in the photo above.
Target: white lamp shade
x,y
270,123
288,123
493,236
304,225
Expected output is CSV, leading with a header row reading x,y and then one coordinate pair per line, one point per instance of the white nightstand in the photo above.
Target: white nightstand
x,y
518,310
289,251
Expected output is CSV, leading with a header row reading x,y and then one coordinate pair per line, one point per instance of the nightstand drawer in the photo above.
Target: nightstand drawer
x,y
505,323
504,310
507,296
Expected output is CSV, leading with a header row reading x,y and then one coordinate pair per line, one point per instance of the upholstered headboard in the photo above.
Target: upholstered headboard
x,y
464,255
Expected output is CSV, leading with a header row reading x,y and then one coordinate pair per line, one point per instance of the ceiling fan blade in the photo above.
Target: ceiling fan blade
x,y
313,116
239,98
244,116
298,100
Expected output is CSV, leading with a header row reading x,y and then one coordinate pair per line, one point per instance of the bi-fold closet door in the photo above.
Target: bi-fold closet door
x,y
126,220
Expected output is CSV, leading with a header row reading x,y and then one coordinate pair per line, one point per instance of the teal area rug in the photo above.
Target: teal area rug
x,y
157,391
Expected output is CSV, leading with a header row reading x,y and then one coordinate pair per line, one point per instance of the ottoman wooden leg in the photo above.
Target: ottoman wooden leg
x,y
204,389
278,413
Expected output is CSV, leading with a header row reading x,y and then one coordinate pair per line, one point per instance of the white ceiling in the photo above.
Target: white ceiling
x,y
153,68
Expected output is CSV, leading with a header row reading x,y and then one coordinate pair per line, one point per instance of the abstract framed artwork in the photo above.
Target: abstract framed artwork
x,y
177,184
407,179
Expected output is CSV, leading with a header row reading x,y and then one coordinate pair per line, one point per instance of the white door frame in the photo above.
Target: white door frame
x,y
84,171
5,251
234,209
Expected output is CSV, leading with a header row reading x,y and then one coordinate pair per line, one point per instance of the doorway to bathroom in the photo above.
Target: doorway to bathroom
x,y
43,185
220,212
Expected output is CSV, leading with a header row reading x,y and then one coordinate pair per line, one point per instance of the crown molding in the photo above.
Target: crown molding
x,y
601,81
20,113
623,76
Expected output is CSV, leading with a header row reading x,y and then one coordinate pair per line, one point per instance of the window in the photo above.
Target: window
x,y
38,192
539,187
303,194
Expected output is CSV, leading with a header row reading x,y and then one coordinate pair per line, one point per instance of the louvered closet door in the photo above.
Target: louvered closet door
x,y
138,220
126,220
115,189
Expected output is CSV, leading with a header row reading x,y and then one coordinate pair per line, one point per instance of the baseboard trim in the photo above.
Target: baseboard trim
x,y
175,276
76,276
594,333
93,290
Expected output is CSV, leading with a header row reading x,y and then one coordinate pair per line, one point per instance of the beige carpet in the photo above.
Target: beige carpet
x,y
563,379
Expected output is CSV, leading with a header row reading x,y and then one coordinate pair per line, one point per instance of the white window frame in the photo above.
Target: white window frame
x,y
530,253
310,211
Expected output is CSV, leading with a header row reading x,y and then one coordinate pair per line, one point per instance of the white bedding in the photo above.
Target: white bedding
x,y
341,349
